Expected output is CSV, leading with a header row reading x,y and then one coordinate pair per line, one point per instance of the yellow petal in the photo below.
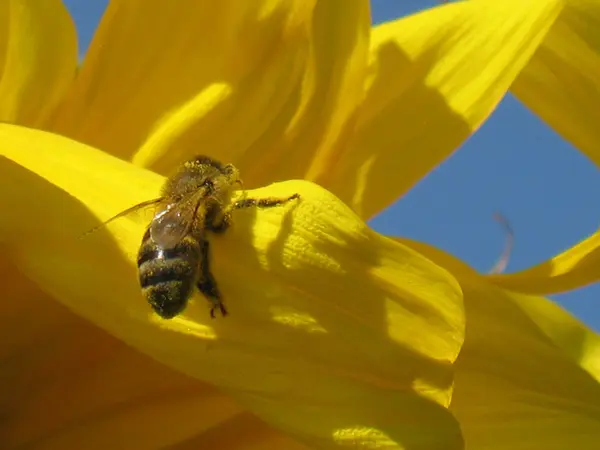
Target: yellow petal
x,y
97,388
337,335
289,117
571,269
528,376
156,67
317,121
561,82
38,56
434,78
242,432
102,393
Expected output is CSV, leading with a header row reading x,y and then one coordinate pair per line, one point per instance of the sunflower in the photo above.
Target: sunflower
x,y
338,336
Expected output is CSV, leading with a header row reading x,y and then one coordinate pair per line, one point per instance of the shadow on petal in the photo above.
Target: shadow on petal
x,y
514,388
399,136
241,432
68,384
434,77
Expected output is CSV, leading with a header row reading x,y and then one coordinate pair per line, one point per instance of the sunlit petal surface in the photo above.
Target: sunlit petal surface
x,y
353,330
528,376
38,56
562,86
200,86
433,78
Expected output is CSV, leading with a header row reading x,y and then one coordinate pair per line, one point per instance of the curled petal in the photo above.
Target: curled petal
x,y
336,335
434,77
38,57
571,269
528,375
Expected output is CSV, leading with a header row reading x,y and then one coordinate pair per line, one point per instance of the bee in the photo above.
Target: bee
x,y
174,255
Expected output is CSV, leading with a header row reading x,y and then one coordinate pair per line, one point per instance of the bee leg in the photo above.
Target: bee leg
x,y
219,221
220,225
221,307
207,283
266,202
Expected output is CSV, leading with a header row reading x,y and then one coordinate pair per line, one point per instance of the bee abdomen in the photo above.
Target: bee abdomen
x,y
167,285
167,277
168,298
156,271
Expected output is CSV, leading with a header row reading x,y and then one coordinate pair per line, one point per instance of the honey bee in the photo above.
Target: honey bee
x,y
174,256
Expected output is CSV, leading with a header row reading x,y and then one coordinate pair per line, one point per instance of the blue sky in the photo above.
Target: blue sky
x,y
514,164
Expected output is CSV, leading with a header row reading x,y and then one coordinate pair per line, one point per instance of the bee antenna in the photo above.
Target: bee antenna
x,y
502,262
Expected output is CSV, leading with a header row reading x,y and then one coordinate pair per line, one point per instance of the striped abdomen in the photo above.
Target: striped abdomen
x,y
168,277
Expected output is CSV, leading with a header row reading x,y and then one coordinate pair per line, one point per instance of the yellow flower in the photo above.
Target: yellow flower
x,y
338,336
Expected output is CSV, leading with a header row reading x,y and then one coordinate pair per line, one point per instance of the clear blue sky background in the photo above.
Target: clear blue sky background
x,y
514,164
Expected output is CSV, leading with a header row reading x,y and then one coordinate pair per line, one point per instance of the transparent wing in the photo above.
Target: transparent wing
x,y
132,210
172,224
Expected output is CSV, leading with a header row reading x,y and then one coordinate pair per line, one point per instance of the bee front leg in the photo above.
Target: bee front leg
x,y
266,202
207,283
218,219
219,225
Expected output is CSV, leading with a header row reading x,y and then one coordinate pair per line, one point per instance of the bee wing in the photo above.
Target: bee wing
x,y
133,209
172,224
